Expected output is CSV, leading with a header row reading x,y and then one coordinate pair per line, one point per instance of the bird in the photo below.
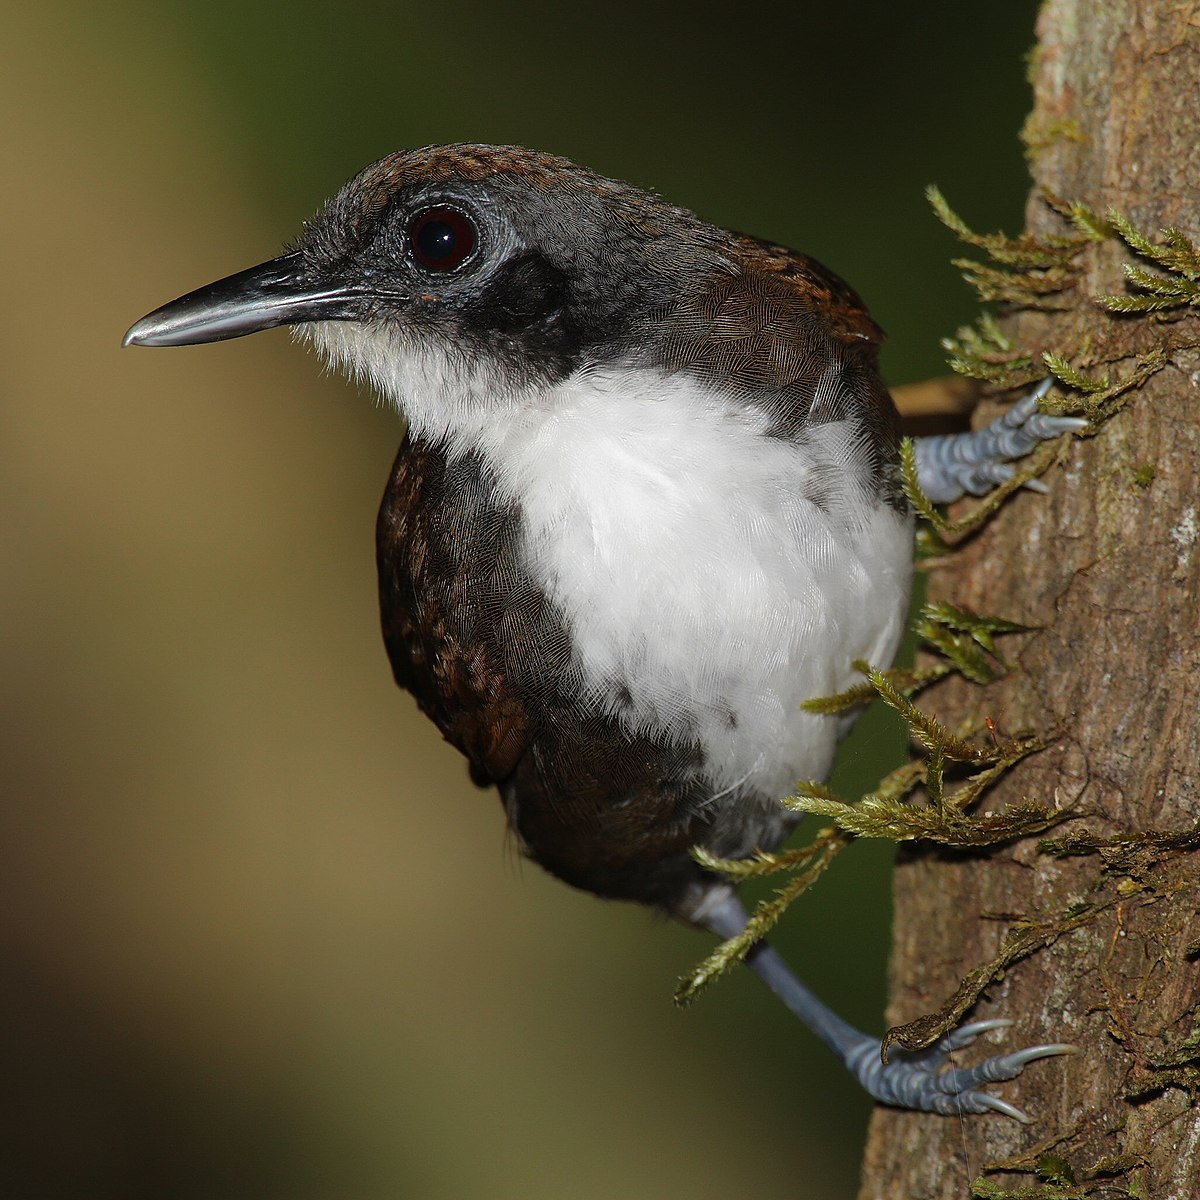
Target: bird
x,y
648,502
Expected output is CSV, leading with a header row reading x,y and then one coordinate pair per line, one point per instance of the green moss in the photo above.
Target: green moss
x,y
1042,135
1142,474
1173,253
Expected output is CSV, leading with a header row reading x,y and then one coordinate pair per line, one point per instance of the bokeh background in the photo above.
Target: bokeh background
x,y
259,936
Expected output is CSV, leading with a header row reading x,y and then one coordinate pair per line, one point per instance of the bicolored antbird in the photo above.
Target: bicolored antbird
x,y
648,503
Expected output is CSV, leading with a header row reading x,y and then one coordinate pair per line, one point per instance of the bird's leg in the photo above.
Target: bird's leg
x,y
953,464
909,1079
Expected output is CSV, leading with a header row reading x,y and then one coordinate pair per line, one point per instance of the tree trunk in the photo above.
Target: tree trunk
x,y
1108,568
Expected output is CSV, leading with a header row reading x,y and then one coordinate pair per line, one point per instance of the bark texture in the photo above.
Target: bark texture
x,y
1109,569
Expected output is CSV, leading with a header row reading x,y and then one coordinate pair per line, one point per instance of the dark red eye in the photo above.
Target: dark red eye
x,y
442,239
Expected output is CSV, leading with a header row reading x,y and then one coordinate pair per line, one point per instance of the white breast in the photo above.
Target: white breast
x,y
705,595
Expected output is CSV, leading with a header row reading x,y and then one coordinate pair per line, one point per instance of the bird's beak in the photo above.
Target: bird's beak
x,y
278,292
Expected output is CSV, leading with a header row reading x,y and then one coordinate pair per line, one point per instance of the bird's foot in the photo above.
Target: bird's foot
x,y
915,1079
951,465
911,1078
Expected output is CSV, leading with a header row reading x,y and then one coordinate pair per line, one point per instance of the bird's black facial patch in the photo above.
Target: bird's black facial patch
x,y
524,307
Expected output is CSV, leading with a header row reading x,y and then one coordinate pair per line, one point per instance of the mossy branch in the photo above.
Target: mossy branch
x,y
1174,253
809,865
1032,272
1023,939
1028,272
984,351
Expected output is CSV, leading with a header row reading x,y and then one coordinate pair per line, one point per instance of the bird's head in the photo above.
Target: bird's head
x,y
484,260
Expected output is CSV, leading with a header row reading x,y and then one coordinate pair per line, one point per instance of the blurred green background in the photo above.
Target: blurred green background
x,y
260,937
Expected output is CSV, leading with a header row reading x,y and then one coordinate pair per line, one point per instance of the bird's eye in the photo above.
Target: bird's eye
x,y
442,238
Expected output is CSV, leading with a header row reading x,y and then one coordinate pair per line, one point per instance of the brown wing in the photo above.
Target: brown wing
x,y
447,594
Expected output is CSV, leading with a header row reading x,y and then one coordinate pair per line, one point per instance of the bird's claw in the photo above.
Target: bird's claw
x,y
952,465
915,1079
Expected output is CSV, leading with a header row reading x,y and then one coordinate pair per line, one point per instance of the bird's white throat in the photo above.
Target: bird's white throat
x,y
706,594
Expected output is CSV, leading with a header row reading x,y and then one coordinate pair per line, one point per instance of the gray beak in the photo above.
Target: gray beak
x,y
273,293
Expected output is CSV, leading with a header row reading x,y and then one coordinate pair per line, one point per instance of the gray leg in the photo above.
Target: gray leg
x,y
908,1079
951,465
